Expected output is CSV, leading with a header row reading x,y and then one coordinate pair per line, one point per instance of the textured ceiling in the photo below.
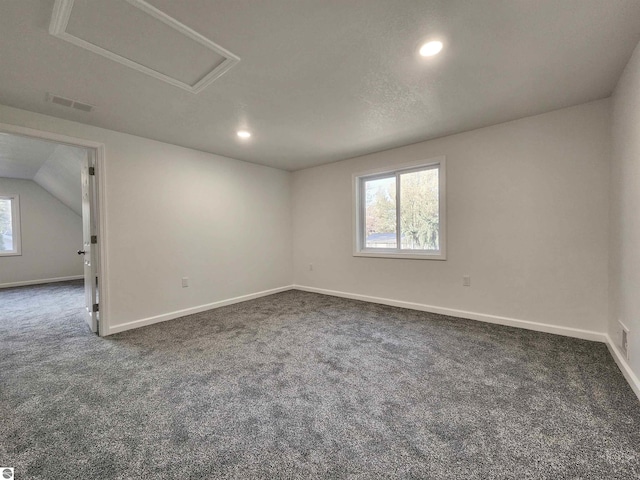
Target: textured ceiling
x,y
321,81
22,157
54,167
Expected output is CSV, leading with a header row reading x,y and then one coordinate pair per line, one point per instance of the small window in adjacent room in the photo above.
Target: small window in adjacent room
x,y
401,213
9,225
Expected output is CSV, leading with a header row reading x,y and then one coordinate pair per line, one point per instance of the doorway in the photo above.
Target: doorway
x,y
59,177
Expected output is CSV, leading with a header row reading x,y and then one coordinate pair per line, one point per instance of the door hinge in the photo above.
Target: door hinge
x,y
94,239
92,170
96,307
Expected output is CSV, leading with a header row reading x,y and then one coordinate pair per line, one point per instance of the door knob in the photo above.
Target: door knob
x,y
81,252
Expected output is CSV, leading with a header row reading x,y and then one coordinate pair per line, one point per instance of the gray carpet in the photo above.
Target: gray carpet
x,y
299,385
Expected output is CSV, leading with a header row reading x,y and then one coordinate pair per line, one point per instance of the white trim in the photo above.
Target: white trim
x,y
358,212
101,223
51,136
60,18
619,358
412,256
101,178
40,281
190,311
425,162
507,321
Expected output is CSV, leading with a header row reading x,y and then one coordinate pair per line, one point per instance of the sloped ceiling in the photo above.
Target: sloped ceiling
x,y
320,81
60,176
56,168
22,157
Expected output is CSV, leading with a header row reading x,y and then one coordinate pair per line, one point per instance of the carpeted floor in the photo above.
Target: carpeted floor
x,y
299,385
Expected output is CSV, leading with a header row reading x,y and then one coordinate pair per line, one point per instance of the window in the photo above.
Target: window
x,y
401,213
9,225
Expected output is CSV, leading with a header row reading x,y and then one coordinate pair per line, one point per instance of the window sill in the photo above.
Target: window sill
x,y
407,256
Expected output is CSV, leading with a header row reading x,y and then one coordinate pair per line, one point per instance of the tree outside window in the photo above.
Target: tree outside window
x,y
400,211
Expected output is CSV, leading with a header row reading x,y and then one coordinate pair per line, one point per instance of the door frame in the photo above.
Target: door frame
x,y
100,207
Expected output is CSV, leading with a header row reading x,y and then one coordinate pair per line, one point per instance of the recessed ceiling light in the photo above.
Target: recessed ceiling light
x,y
430,49
244,134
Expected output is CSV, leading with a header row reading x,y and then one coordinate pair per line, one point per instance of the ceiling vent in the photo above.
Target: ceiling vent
x,y
67,102
137,35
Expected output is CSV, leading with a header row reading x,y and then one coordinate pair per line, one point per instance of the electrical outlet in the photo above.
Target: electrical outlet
x,y
466,281
624,339
311,267
185,282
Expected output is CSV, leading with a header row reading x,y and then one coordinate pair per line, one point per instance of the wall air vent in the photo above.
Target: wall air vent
x,y
67,102
136,34
624,339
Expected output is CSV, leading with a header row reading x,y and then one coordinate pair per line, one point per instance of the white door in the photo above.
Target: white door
x,y
89,240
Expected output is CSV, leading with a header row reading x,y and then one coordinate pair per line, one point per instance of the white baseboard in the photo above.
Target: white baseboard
x,y
511,322
620,359
42,280
190,311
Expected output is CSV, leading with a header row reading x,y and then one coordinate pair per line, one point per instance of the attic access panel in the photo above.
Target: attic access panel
x,y
138,35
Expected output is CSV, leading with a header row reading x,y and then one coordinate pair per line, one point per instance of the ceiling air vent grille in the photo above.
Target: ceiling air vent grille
x,y
67,102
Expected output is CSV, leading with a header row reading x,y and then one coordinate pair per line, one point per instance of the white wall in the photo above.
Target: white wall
x,y
527,219
625,210
174,212
527,213
51,236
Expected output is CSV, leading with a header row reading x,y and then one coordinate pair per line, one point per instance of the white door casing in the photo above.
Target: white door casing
x,y
89,239
99,255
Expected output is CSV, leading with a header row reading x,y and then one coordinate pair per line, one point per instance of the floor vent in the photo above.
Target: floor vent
x,y
67,102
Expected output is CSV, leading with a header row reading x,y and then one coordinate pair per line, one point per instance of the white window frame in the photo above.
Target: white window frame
x,y
359,249
15,225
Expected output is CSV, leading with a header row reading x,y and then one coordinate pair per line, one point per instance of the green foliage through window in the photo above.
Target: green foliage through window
x,y
419,210
418,194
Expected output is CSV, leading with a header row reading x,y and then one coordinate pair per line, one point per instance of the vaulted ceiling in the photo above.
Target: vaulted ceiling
x,y
22,157
54,167
317,81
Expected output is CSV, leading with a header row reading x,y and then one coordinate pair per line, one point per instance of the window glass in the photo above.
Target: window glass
x,y
401,213
380,213
6,225
419,210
